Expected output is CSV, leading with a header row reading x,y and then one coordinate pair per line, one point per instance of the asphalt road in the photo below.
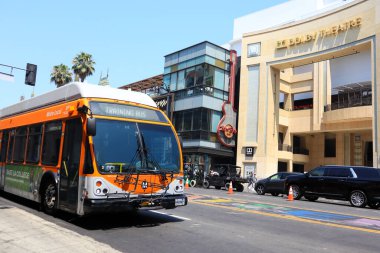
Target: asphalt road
x,y
215,221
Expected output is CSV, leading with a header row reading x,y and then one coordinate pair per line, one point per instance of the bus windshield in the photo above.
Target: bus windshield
x,y
129,147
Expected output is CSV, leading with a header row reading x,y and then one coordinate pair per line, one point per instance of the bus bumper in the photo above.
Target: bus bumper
x,y
122,204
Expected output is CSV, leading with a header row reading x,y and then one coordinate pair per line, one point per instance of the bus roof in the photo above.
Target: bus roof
x,y
74,91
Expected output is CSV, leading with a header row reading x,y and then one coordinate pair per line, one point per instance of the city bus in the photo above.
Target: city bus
x,y
86,148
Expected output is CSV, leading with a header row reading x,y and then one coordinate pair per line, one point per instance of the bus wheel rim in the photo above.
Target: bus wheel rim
x,y
50,196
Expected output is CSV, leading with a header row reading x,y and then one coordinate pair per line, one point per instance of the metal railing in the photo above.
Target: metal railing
x,y
285,147
201,90
364,101
300,151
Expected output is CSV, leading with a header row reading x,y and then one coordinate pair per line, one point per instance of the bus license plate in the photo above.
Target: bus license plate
x,y
179,202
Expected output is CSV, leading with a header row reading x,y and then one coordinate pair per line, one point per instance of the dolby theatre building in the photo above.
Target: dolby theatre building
x,y
309,90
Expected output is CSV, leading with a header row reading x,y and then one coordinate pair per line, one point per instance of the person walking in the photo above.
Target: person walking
x,y
251,181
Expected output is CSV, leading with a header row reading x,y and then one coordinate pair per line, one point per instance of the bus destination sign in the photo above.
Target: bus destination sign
x,y
126,111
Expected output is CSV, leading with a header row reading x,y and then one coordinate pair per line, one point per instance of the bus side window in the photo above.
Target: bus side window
x,y
20,143
51,143
10,146
34,144
4,144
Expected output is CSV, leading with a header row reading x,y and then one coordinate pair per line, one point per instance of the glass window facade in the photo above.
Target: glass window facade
x,y
205,66
200,70
197,123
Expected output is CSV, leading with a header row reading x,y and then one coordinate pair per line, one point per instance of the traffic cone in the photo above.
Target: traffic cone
x,y
290,195
187,184
230,189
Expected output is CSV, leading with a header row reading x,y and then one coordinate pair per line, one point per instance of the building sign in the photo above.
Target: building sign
x,y
334,30
249,151
165,103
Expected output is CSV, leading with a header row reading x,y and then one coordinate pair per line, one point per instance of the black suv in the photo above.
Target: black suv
x,y
359,185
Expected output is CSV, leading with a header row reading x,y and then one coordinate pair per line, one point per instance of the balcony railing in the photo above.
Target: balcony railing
x,y
284,147
201,90
300,151
294,150
364,101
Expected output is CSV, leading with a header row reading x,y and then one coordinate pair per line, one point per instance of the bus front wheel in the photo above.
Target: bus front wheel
x,y
49,197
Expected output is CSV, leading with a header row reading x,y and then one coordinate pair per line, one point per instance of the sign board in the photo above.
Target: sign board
x,y
165,103
249,151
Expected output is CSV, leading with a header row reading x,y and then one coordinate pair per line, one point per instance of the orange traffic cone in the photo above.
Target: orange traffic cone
x,y
230,189
187,184
290,195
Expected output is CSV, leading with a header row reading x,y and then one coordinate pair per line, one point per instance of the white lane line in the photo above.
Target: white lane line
x,y
172,215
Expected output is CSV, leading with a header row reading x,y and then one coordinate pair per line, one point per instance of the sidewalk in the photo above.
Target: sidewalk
x,y
24,232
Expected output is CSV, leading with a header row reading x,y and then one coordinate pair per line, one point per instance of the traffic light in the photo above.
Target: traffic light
x,y
31,73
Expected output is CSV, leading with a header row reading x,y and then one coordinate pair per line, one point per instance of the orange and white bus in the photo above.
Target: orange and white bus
x,y
84,148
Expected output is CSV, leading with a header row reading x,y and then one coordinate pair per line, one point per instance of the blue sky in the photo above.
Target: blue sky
x,y
129,38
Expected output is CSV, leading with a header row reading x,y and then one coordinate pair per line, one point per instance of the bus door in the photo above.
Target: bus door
x,y
69,173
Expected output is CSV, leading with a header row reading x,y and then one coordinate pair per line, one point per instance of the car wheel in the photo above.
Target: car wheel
x,y
358,198
260,189
239,188
193,183
227,185
49,197
374,205
217,187
296,192
311,198
275,194
206,184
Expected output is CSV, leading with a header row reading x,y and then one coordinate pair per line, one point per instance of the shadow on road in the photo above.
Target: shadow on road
x,y
107,221
100,221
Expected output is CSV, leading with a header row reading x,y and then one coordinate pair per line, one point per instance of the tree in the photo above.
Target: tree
x,y
61,75
83,66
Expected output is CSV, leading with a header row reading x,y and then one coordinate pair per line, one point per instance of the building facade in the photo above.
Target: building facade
x,y
309,91
198,76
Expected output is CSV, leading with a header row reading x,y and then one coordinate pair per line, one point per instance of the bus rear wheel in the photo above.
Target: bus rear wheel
x,y
49,197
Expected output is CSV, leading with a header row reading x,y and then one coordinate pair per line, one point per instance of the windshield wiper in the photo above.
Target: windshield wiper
x,y
146,158
142,148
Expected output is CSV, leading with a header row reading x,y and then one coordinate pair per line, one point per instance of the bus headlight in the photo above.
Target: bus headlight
x,y
178,185
100,187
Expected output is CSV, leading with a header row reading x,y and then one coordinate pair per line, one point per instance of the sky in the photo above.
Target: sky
x,y
127,38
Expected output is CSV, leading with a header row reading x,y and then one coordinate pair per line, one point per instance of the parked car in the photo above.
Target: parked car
x,y
359,185
222,174
273,184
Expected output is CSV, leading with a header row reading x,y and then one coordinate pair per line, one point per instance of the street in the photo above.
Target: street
x,y
215,221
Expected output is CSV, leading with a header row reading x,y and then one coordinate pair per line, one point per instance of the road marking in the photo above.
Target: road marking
x,y
288,217
243,201
171,215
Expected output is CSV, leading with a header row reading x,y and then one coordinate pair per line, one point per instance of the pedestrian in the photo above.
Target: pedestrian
x,y
251,181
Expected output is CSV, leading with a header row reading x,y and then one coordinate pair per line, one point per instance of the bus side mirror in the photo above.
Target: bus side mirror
x,y
91,126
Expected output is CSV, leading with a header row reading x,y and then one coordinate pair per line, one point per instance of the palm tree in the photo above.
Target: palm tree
x,y
83,66
61,75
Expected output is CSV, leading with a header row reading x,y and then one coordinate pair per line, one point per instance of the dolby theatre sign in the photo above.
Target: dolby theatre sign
x,y
334,30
